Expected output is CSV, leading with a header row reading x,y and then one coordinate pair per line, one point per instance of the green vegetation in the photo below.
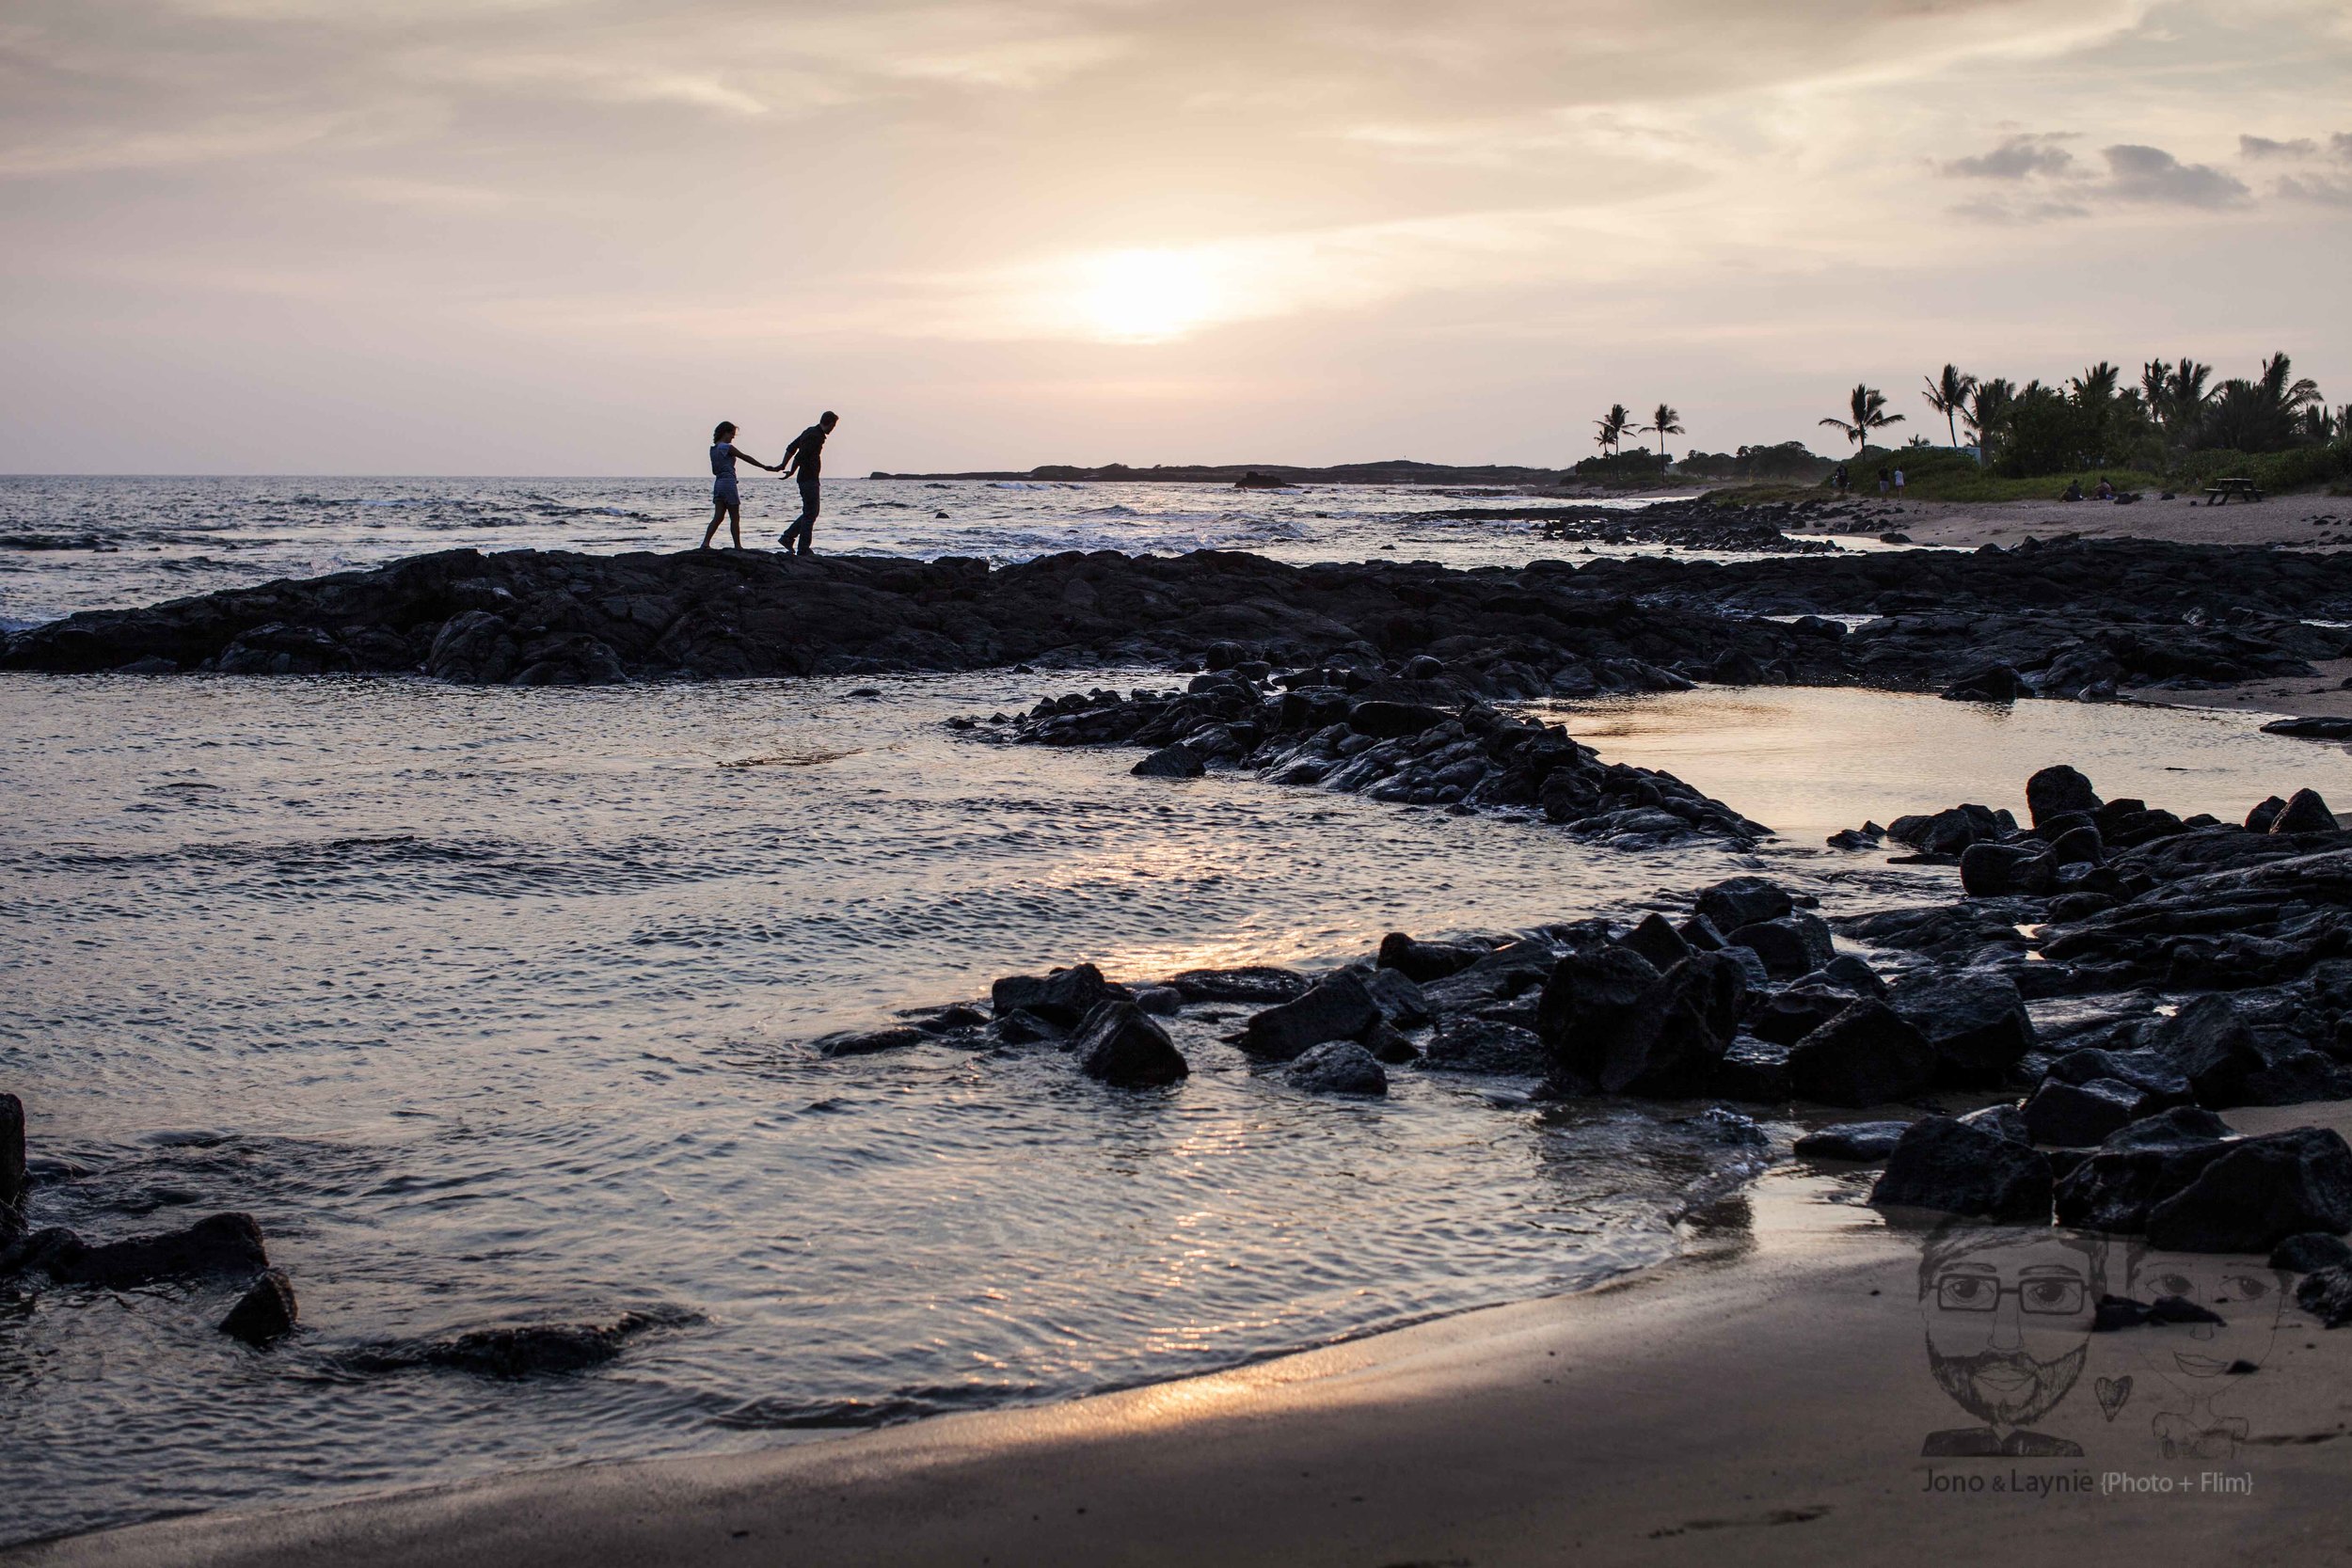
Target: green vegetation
x,y
2178,429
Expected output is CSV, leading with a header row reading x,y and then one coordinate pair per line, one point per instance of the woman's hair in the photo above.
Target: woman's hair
x,y
725,431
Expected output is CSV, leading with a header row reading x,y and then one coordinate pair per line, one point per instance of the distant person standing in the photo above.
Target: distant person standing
x,y
1845,482
1882,481
1898,484
726,504
805,459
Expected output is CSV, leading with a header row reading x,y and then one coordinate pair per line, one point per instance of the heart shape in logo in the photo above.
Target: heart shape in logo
x,y
2113,1392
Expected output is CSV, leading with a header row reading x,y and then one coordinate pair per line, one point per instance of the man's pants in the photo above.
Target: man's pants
x,y
805,528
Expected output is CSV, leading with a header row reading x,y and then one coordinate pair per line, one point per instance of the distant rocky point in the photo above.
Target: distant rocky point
x,y
1399,470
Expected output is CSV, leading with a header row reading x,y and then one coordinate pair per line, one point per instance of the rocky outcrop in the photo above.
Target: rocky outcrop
x,y
1321,727
2069,619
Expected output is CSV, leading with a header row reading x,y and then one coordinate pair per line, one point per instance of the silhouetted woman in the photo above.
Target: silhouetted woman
x,y
725,505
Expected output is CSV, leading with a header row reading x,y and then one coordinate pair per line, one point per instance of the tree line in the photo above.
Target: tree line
x,y
2095,420
2092,421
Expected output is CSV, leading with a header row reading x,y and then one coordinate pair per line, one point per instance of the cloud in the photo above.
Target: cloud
x,y
2151,174
2018,158
2320,189
2263,147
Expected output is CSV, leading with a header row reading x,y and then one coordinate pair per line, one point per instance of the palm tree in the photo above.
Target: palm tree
x,y
1663,421
2289,399
1988,402
2093,392
1868,405
1612,427
2177,397
1947,394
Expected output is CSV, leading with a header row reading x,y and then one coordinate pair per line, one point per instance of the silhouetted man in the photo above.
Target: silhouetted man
x,y
805,459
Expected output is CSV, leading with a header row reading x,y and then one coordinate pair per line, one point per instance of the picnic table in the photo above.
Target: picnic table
x,y
2224,489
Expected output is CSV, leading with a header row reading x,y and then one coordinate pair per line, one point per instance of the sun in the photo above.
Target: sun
x,y
1144,297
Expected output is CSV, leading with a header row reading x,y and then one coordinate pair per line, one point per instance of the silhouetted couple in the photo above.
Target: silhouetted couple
x,y
803,460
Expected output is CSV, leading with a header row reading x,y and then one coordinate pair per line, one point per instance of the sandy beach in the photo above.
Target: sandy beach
x,y
2288,520
1765,1399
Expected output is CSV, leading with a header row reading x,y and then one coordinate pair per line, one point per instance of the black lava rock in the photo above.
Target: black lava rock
x,y
1976,1023
2327,1294
1063,997
2056,790
2077,1116
1474,1044
1178,761
1946,1165
867,1042
265,1312
1119,1043
1335,1008
220,1244
1853,1140
1866,1055
1741,901
2304,812
1338,1067
2310,1252
1425,961
2259,1191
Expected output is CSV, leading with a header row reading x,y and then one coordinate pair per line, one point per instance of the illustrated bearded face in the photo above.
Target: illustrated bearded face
x,y
2008,1316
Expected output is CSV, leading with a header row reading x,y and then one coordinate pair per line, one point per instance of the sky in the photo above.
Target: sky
x,y
568,236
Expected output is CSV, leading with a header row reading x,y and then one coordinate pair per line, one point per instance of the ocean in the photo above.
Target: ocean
x,y
496,1007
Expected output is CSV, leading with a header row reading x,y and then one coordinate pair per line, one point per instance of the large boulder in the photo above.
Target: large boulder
x,y
1398,998
2058,791
1337,1008
1793,946
1976,1023
2078,1115
2114,1188
1425,961
1990,870
1178,761
1472,1044
1870,1054
1741,901
1951,1166
1338,1067
2304,812
1063,997
220,1244
2259,1191
1615,1021
1119,1043
2208,1044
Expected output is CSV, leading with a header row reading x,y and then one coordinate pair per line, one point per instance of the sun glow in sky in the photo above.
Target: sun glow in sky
x,y
564,236
1144,295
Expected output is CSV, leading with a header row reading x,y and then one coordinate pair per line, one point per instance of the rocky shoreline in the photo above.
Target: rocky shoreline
x,y
2052,1047
2067,619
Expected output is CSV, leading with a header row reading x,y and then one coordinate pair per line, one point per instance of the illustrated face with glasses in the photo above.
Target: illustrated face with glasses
x,y
2008,1313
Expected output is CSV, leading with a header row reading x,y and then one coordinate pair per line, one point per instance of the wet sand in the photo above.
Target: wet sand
x,y
1764,1400
2273,520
